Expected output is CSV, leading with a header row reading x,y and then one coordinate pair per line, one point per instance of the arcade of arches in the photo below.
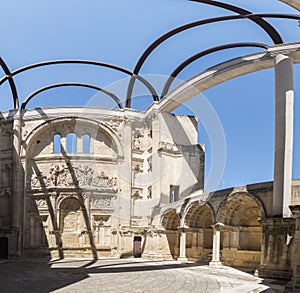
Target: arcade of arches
x,y
240,231
91,182
126,187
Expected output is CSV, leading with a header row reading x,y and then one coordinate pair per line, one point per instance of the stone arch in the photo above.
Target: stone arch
x,y
242,233
199,216
51,126
170,220
237,203
63,197
226,71
71,222
199,219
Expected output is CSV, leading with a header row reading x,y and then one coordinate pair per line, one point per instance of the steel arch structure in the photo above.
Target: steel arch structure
x,y
65,84
240,13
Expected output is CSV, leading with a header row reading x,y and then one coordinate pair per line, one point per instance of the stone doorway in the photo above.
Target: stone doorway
x,y
71,223
137,246
3,247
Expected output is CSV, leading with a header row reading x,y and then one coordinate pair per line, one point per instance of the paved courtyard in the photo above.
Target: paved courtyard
x,y
126,275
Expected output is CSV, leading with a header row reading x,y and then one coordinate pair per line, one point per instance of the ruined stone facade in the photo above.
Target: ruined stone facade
x,y
93,183
85,182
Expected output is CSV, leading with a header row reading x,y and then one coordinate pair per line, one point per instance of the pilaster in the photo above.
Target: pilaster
x,y
17,181
295,254
276,248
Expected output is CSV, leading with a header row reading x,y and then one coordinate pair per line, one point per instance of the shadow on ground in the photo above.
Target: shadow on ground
x,y
46,276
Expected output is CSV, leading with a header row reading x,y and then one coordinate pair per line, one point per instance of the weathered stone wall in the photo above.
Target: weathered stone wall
x,y
89,196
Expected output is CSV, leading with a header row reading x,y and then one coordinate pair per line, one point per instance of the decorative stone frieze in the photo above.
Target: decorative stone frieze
x,y
60,175
102,202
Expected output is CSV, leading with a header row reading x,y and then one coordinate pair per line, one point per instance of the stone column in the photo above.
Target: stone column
x,y
215,262
295,254
284,109
17,182
182,246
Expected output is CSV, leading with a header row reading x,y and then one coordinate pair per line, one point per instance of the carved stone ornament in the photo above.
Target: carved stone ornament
x,y
81,197
59,175
41,203
102,202
100,220
113,124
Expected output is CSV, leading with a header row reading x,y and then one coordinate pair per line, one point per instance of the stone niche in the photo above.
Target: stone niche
x,y
72,223
5,211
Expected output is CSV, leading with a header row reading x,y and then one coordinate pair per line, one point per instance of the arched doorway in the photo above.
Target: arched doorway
x,y
199,236
72,224
3,247
242,233
171,222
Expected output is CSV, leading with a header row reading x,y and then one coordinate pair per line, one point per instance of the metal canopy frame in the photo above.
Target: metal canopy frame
x,y
64,84
257,18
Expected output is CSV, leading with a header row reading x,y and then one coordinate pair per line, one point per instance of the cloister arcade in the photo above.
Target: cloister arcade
x,y
95,182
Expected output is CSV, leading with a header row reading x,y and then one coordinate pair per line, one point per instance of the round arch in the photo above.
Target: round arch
x,y
241,236
199,216
170,220
50,124
235,209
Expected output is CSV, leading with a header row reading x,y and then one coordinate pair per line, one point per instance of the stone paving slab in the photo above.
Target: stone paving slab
x,y
125,275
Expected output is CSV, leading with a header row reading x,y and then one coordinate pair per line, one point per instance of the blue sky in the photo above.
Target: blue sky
x,y
118,32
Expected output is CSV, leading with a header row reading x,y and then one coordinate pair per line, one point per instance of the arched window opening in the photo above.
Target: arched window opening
x,y
71,141
86,140
56,144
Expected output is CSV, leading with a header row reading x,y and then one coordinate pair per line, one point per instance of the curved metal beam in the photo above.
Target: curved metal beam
x,y
188,61
268,28
86,62
28,98
11,83
182,28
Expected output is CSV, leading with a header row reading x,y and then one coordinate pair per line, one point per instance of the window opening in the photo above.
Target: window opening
x,y
56,144
174,193
71,140
86,140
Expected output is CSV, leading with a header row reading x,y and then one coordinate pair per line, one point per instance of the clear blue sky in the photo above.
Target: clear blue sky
x,y
118,32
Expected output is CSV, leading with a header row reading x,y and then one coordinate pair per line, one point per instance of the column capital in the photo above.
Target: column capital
x,y
218,226
283,52
183,228
295,211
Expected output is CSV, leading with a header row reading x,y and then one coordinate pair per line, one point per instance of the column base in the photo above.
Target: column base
x,y
182,260
273,273
215,264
